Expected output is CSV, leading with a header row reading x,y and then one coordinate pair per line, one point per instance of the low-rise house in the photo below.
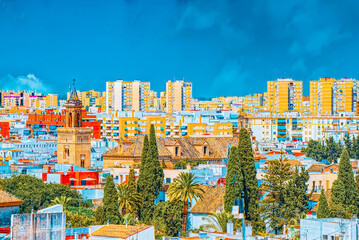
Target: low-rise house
x,y
213,201
9,204
329,228
122,232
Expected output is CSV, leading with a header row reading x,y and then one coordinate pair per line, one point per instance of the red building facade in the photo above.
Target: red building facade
x,y
4,130
48,122
72,178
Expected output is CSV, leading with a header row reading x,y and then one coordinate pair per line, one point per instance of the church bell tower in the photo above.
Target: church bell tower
x,y
74,141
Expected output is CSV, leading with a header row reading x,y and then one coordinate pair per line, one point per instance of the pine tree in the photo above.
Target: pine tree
x,y
323,210
273,207
356,147
296,197
348,145
344,190
111,210
151,178
332,150
132,180
250,182
234,180
99,217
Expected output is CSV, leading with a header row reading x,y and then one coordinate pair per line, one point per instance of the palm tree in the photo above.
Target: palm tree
x,y
63,200
185,188
128,199
130,219
217,221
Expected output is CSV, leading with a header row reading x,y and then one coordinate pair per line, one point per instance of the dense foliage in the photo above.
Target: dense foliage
x,y
273,206
35,193
323,210
167,218
111,206
250,182
234,180
151,176
329,150
344,191
296,197
131,182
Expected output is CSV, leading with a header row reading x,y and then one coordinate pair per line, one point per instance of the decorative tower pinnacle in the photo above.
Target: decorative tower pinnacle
x,y
73,109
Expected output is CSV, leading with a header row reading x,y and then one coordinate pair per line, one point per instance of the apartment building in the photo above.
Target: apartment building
x,y
284,95
115,128
52,100
330,96
253,103
210,105
267,128
127,96
27,99
178,96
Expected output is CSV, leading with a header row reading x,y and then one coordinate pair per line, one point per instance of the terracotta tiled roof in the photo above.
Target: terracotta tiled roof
x,y
213,200
119,231
7,199
217,147
317,167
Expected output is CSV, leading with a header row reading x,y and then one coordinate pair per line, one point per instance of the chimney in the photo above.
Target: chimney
x,y
72,169
230,227
48,169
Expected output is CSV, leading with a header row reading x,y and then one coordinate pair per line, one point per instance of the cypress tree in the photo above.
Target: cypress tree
x,y
348,145
152,178
344,190
296,197
234,180
132,180
111,210
250,182
143,175
323,210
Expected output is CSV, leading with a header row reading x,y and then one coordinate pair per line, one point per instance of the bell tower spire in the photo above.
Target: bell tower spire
x,y
73,109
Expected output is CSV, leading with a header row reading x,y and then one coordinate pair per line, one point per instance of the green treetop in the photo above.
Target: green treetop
x,y
250,182
234,180
323,210
111,209
344,190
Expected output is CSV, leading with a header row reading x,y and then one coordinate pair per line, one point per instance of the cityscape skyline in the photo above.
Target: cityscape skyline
x,y
209,44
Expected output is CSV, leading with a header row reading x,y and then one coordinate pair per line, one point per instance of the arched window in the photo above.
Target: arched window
x,y
70,120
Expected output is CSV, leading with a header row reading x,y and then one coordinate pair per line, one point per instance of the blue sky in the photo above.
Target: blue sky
x,y
224,47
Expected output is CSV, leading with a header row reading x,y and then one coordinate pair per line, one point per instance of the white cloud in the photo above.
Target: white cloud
x,y
28,82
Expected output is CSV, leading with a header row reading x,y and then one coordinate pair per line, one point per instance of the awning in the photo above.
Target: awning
x,y
88,179
73,179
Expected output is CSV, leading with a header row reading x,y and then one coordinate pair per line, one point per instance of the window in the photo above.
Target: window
x,y
205,150
176,151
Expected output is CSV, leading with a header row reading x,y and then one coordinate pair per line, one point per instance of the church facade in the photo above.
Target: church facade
x,y
74,141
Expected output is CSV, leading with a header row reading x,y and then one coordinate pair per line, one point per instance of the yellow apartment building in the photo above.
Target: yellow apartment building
x,y
115,127
210,105
178,96
284,95
253,103
52,100
330,96
127,96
